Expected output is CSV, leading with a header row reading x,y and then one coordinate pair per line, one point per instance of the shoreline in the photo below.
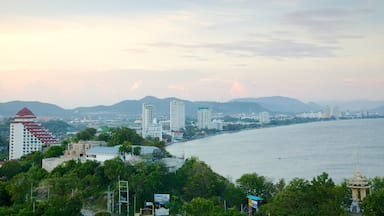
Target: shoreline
x,y
247,129
266,127
224,151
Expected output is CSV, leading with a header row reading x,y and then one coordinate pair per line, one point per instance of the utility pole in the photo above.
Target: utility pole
x,y
134,204
110,202
123,195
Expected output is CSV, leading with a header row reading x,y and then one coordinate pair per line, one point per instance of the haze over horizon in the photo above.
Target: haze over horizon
x,y
92,52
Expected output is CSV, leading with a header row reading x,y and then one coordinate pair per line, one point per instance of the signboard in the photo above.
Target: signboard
x,y
161,200
253,203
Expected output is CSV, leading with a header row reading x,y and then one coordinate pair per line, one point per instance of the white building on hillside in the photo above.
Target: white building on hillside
x,y
103,153
26,135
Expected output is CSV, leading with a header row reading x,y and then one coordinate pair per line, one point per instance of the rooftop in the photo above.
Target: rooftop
x,y
25,113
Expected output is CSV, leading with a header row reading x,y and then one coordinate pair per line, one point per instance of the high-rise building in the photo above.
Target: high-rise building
x,y
150,127
177,115
27,135
147,117
264,118
204,116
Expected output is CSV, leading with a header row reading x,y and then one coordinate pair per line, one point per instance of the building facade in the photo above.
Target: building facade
x,y
264,118
27,135
177,115
204,116
149,125
146,118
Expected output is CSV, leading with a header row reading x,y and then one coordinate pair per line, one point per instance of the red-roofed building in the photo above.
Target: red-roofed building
x,y
27,135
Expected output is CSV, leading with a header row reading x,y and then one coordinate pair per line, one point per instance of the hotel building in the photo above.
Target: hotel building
x,y
27,135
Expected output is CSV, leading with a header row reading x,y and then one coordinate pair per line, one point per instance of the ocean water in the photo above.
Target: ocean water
x,y
302,150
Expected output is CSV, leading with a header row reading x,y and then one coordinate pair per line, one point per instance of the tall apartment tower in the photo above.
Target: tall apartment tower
x,y
204,118
26,135
147,118
264,118
177,115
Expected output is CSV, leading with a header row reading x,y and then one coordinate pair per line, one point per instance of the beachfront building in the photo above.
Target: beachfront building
x,y
26,135
204,117
150,128
177,115
264,118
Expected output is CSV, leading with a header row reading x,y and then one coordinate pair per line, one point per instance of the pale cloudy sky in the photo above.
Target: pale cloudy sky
x,y
90,52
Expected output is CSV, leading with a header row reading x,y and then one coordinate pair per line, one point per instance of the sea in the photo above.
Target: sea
x,y
302,150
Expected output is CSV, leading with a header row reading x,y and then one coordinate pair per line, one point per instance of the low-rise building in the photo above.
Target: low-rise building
x,y
74,151
103,153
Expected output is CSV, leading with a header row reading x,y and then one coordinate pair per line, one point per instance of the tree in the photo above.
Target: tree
x,y
301,197
146,178
119,135
137,151
158,143
253,184
125,148
5,198
113,168
325,196
372,205
199,207
87,134
104,136
19,188
61,206
198,180
54,151
377,183
10,169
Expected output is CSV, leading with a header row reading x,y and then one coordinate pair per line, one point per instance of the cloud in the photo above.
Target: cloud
x,y
197,58
238,90
135,51
136,85
329,25
275,48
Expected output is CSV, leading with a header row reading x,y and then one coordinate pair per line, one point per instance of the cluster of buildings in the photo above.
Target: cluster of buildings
x,y
27,136
150,127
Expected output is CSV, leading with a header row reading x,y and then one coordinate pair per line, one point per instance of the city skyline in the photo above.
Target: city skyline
x,y
87,53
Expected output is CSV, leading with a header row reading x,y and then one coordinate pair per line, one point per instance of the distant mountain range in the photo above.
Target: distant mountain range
x,y
282,104
132,108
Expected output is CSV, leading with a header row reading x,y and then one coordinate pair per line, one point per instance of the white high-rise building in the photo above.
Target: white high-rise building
x,y
204,116
146,118
264,118
26,135
150,127
177,115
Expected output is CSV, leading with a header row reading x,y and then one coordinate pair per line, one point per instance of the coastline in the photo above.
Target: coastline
x,y
304,151
266,126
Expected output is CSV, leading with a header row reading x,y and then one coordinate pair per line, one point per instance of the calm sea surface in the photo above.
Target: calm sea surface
x,y
302,150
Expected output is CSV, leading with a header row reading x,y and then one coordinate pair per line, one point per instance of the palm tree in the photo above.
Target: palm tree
x,y
125,148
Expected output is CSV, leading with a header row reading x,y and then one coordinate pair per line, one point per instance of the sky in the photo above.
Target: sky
x,y
99,52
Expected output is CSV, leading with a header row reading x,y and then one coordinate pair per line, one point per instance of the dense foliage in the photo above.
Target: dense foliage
x,y
195,189
27,189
